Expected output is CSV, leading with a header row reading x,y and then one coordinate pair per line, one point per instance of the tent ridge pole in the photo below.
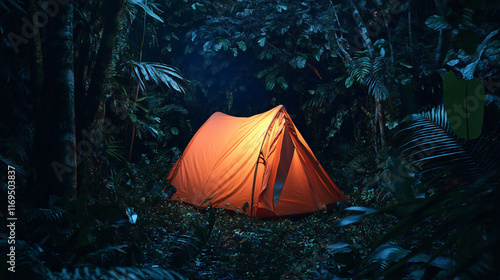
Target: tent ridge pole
x,y
257,162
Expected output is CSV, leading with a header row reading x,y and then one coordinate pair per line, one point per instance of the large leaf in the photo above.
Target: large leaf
x,y
349,81
388,252
147,8
464,104
159,73
355,218
437,23
221,44
370,72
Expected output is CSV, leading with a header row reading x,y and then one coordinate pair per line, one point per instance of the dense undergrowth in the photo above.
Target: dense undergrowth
x,y
125,221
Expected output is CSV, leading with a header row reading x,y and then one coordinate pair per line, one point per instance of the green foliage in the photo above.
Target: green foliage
x,y
369,72
452,224
472,64
114,149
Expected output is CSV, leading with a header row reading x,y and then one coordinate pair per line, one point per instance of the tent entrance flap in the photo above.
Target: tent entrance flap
x,y
286,156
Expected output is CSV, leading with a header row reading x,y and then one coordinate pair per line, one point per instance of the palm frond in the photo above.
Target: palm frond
x,y
170,108
360,68
435,149
370,72
186,247
117,273
375,81
323,95
9,162
41,214
3,4
114,149
377,87
159,73
153,129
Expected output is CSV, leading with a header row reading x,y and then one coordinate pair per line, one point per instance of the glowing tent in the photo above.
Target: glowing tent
x,y
260,165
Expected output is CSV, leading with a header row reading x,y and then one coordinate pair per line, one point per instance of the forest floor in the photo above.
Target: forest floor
x,y
221,244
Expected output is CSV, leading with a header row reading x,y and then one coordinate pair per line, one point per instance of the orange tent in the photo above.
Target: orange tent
x,y
260,165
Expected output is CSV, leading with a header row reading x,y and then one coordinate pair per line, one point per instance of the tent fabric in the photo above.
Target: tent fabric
x,y
259,165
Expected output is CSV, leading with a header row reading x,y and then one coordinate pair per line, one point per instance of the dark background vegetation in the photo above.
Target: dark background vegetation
x,y
99,98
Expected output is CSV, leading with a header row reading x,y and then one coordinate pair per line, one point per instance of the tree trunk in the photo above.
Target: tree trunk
x,y
55,146
410,39
362,29
36,57
137,88
340,43
96,93
439,47
389,38
379,110
379,113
